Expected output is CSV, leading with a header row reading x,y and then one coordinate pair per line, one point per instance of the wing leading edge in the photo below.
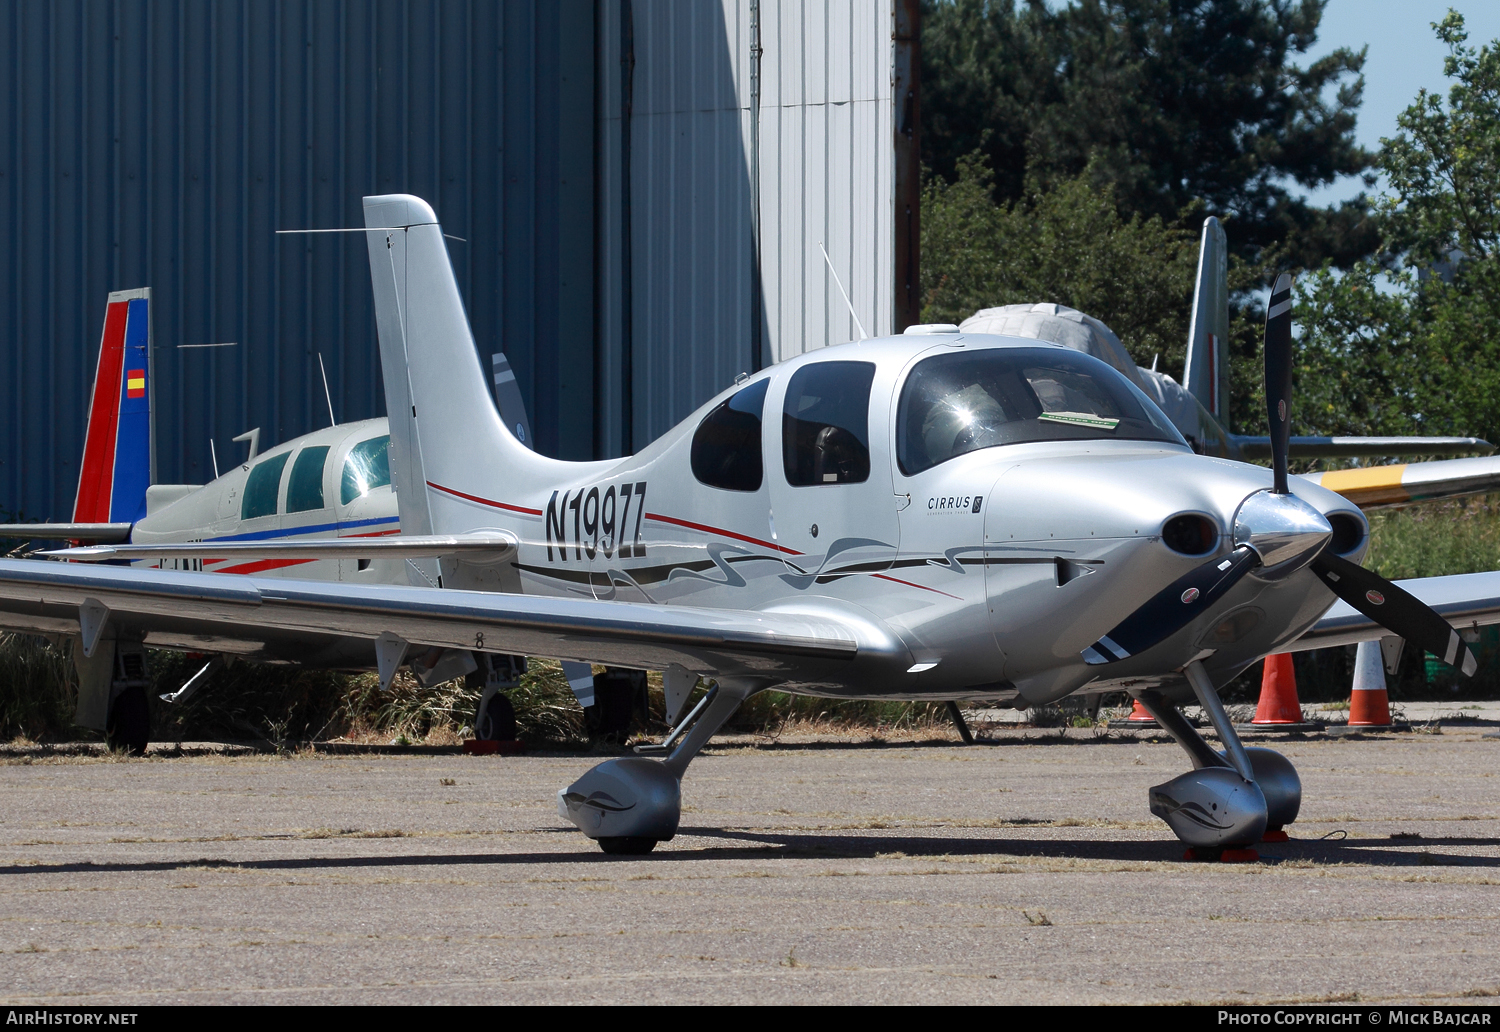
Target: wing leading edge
x,y
177,609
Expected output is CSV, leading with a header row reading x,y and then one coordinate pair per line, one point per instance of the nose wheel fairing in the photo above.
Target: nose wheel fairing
x,y
1231,798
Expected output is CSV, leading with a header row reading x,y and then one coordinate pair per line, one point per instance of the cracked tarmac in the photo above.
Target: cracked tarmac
x,y
805,872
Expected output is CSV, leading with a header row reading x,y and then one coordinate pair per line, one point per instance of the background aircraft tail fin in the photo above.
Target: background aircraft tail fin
x,y
118,449
1206,375
455,463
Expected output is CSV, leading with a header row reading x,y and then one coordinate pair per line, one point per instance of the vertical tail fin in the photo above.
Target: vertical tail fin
x,y
1206,375
119,456
455,465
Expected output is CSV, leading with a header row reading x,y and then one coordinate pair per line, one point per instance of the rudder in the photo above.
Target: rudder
x,y
118,449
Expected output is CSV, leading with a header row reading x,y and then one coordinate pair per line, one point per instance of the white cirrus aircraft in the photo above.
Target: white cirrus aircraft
x,y
933,516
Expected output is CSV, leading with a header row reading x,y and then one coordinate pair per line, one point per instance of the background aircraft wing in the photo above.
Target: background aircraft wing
x,y
207,612
66,531
1365,447
485,547
1467,601
1374,486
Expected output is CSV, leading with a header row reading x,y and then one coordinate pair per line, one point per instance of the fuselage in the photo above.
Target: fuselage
x,y
809,487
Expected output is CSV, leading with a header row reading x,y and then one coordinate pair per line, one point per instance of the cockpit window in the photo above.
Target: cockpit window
x,y
825,425
726,447
305,490
961,402
367,467
262,486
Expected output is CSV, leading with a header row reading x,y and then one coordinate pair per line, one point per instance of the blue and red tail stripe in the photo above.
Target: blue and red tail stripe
x,y
116,466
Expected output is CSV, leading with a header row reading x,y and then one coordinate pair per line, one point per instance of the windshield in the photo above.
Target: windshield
x,y
961,402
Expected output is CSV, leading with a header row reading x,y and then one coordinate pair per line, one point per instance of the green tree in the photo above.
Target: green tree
x,y
1169,102
1421,351
1069,245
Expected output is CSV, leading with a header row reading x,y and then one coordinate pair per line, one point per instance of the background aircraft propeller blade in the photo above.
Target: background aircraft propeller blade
x,y
1395,610
1173,608
1278,352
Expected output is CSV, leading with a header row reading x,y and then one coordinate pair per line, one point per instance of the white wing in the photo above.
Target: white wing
x,y
1467,600
292,619
491,547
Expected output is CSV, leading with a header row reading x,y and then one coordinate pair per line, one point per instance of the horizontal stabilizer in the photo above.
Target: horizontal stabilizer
x,y
66,531
1366,447
474,547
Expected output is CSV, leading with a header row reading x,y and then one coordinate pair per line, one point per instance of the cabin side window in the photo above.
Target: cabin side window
x,y
726,447
262,486
367,467
825,425
305,491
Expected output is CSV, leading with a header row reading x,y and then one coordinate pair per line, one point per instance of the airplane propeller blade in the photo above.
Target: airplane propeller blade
x,y
1173,607
1394,609
1278,351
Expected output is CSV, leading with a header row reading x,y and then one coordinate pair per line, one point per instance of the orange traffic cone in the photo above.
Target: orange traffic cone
x,y
1369,706
1140,716
1278,693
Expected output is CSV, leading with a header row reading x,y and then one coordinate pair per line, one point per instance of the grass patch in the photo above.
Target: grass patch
x,y
275,702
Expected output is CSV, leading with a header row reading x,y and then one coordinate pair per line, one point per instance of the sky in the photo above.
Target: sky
x,y
1404,56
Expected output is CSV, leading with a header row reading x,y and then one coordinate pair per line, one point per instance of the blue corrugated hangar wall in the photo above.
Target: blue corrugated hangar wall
x,y
162,143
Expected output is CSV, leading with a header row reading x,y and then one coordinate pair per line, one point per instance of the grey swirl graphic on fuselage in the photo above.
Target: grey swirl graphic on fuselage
x,y
804,579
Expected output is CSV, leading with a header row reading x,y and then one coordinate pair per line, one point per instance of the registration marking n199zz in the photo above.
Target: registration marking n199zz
x,y
598,514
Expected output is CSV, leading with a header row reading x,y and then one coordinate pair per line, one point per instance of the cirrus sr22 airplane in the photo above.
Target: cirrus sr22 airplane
x,y
930,516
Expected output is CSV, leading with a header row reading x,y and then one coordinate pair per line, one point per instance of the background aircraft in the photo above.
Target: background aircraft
x,y
1199,408
933,516
318,507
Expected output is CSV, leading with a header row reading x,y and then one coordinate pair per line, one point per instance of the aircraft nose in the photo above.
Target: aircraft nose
x,y
1283,530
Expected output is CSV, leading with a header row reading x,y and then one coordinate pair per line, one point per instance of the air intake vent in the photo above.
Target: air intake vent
x,y
1190,534
1348,533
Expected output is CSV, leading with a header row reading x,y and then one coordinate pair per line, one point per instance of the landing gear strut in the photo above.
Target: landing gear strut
x,y
129,724
1231,799
629,804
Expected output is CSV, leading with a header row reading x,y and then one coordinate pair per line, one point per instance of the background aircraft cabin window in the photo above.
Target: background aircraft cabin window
x,y
367,467
825,425
306,488
962,402
726,447
262,486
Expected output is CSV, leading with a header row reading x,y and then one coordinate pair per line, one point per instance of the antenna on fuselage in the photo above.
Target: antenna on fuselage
x,y
332,420
214,454
253,436
862,334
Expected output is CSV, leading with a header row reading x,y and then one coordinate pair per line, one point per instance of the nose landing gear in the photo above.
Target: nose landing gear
x,y
1230,800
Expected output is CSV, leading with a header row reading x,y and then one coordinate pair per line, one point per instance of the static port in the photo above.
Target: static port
x,y
1348,532
1190,534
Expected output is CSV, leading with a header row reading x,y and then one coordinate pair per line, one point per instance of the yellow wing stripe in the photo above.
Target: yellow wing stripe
x,y
1372,485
